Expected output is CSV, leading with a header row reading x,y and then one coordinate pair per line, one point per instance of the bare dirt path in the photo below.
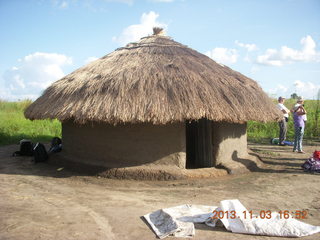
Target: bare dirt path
x,y
40,202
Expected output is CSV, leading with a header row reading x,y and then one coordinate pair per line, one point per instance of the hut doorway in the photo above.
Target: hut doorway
x,y
199,144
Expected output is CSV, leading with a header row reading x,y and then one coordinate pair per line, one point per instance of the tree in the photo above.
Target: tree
x,y
294,96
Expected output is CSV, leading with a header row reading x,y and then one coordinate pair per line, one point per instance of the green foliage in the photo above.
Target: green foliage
x,y
294,96
14,126
258,131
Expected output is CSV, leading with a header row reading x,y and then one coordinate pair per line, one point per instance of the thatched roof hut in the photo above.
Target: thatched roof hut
x,y
155,82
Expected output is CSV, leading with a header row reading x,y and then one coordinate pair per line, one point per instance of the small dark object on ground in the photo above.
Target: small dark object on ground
x,y
26,148
313,163
275,141
56,145
40,153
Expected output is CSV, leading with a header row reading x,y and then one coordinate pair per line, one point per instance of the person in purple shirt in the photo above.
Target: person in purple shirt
x,y
299,123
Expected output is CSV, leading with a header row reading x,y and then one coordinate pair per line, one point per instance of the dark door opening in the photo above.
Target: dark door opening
x,y
199,144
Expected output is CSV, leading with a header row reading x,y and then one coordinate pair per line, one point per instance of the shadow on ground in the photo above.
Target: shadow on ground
x,y
275,159
23,165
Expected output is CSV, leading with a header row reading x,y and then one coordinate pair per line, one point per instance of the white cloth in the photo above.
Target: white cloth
x,y
283,107
178,221
277,225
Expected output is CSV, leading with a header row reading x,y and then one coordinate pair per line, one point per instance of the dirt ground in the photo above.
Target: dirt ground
x,y
43,201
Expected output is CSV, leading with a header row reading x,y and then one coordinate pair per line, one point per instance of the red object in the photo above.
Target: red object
x,y
316,155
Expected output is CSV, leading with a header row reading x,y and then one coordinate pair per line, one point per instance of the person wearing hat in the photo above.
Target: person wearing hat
x,y
300,102
283,122
299,118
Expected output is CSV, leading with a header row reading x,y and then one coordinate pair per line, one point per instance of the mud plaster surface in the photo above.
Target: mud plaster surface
x,y
44,202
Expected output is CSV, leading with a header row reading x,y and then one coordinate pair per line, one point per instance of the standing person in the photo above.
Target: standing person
x,y
300,102
283,122
299,117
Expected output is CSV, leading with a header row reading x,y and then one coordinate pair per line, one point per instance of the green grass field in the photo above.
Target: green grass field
x,y
14,126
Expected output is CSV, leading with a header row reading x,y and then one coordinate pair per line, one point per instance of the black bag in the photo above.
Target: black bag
x,y
26,148
55,141
56,145
40,153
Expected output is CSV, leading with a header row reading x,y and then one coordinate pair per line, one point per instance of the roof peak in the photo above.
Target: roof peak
x,y
158,31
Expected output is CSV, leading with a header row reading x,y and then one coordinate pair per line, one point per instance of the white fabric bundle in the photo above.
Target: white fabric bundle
x,y
178,221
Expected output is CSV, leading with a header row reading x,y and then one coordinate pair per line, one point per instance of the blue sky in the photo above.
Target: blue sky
x,y
274,42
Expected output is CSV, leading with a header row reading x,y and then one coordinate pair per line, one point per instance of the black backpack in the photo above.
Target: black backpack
x,y
56,145
26,148
40,153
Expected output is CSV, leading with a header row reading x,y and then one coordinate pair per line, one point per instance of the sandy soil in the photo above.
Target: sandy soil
x,y
44,202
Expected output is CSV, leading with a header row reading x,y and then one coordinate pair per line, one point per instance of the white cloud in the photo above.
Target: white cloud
x,y
90,59
288,55
64,5
308,90
250,47
34,73
223,55
137,31
279,90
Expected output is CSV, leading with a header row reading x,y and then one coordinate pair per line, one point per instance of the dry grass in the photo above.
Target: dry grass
x,y
154,80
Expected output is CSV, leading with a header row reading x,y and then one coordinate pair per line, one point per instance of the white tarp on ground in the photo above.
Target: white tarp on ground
x,y
178,221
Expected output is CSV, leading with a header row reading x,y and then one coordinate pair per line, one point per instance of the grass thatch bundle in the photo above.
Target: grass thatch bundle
x,y
154,80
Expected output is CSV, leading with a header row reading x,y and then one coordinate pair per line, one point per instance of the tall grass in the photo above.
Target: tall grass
x,y
14,126
258,131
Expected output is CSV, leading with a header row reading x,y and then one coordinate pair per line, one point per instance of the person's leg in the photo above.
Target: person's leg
x,y
296,133
301,133
282,131
285,129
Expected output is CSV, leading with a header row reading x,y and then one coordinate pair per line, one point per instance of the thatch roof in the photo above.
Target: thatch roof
x,y
154,80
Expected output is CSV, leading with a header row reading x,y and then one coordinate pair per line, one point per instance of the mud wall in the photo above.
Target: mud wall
x,y
229,142
125,145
